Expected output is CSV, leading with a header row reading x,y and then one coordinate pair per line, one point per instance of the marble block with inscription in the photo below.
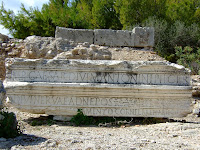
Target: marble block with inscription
x,y
99,87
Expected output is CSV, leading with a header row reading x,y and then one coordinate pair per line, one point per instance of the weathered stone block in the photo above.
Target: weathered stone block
x,y
113,37
99,88
143,37
76,35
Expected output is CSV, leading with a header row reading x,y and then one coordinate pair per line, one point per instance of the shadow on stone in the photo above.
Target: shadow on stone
x,y
96,121
42,120
23,140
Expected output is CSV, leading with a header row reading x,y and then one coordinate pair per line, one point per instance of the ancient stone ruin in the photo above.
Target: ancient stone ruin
x,y
139,37
61,86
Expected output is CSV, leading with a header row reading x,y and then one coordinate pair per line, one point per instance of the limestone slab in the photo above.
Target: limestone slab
x,y
76,35
97,71
113,37
99,88
101,100
143,36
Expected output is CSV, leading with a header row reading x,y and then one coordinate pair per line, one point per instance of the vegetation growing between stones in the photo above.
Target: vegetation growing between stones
x,y
9,127
81,119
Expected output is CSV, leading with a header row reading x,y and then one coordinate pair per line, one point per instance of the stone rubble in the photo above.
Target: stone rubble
x,y
36,47
86,51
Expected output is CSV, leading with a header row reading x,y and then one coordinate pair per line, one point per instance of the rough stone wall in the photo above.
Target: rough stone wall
x,y
139,37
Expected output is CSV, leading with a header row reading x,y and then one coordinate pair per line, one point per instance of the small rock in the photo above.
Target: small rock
x,y
21,41
4,45
75,51
8,49
76,141
174,135
12,45
48,143
82,51
153,141
126,48
89,148
85,44
196,111
93,47
144,140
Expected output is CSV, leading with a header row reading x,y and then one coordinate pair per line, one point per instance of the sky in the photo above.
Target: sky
x,y
15,6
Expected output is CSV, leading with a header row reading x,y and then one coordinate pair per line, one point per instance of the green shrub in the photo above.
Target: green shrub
x,y
189,57
169,35
42,121
8,125
81,119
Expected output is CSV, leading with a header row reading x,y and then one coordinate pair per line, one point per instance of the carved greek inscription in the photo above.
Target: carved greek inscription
x,y
104,102
105,106
99,77
130,112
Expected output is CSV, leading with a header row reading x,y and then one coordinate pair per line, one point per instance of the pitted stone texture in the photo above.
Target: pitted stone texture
x,y
93,52
99,88
76,35
40,47
2,94
143,37
45,47
113,37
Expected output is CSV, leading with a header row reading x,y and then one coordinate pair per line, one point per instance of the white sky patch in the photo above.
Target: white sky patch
x,y
28,3
15,6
